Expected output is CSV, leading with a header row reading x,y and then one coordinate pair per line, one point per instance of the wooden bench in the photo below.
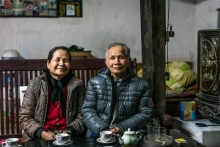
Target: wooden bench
x,y
16,73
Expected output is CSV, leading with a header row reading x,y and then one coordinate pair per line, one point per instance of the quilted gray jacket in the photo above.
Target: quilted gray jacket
x,y
134,102
34,106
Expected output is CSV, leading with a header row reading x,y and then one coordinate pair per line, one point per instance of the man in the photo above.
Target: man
x,y
117,99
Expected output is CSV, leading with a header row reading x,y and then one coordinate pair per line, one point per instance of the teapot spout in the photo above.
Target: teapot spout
x,y
120,139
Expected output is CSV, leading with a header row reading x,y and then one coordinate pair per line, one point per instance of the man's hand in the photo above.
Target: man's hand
x,y
114,129
48,135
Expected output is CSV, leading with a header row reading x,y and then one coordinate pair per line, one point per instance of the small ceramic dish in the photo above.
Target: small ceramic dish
x,y
169,141
67,143
101,141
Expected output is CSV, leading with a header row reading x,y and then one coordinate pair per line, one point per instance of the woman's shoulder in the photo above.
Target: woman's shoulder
x,y
37,82
38,79
75,81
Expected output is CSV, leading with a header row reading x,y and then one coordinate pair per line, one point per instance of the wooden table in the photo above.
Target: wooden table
x,y
91,142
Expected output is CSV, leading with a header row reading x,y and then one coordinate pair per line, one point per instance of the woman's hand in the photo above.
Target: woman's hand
x,y
114,129
48,135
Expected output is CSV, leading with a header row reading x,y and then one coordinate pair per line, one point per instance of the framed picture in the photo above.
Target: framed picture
x,y
70,8
28,8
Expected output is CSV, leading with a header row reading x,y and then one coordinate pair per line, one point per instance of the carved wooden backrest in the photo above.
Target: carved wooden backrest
x,y
16,73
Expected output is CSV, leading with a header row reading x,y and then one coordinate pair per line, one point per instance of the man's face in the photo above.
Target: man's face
x,y
117,61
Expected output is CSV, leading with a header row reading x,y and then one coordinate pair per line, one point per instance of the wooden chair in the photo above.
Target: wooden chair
x,y
16,73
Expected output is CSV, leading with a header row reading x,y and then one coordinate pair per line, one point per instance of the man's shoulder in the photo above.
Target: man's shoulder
x,y
139,78
141,81
97,78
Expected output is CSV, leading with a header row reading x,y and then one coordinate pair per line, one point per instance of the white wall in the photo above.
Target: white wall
x,y
103,22
187,17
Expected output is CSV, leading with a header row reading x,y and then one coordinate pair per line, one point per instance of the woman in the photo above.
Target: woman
x,y
53,100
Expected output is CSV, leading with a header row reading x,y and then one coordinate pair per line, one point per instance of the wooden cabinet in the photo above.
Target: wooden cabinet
x,y
208,73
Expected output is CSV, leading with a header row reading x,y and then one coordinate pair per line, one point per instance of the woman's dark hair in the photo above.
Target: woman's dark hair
x,y
50,55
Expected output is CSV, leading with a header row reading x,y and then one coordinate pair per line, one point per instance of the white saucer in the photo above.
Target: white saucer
x,y
101,141
69,142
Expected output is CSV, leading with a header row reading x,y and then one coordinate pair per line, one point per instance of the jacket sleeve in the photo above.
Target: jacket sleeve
x,y
78,122
89,109
27,112
144,112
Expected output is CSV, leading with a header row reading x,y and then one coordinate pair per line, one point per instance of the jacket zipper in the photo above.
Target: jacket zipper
x,y
111,108
46,106
68,99
117,109
117,104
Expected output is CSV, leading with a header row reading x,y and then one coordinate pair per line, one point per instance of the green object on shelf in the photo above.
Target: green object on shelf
x,y
76,48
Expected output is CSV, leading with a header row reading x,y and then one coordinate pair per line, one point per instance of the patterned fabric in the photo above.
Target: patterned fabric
x,y
181,75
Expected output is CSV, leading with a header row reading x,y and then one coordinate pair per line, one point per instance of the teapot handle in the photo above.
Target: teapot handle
x,y
140,135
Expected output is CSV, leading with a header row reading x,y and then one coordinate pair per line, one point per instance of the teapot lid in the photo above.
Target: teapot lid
x,y
129,131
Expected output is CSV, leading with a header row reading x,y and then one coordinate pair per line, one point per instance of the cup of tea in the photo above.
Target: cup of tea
x,y
10,142
62,138
106,135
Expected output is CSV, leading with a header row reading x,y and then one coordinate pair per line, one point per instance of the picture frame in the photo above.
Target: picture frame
x,y
70,8
28,8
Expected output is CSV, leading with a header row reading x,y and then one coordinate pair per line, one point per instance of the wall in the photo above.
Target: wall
x,y
103,22
106,21
187,17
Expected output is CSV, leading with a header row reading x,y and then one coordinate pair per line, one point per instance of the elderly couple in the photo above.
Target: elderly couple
x,y
57,102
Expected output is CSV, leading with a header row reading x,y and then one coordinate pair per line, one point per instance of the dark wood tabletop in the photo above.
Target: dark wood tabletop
x,y
91,142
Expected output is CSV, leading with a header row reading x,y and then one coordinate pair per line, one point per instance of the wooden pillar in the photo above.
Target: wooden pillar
x,y
153,29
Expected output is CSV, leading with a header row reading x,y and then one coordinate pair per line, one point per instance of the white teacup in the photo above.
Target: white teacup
x,y
106,135
62,138
10,142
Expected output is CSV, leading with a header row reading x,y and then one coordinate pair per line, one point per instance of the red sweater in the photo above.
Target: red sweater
x,y
55,118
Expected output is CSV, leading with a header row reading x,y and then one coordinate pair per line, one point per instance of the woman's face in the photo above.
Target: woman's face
x,y
59,65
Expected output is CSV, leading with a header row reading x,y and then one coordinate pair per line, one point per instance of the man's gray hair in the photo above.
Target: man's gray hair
x,y
126,48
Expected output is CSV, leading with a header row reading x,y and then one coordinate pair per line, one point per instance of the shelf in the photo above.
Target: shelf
x,y
81,55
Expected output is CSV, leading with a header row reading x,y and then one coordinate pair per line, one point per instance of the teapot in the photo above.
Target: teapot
x,y
129,138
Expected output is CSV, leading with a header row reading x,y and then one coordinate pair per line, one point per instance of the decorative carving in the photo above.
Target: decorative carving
x,y
209,65
208,96
207,109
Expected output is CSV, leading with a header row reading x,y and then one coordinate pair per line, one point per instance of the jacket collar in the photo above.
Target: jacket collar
x,y
106,73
